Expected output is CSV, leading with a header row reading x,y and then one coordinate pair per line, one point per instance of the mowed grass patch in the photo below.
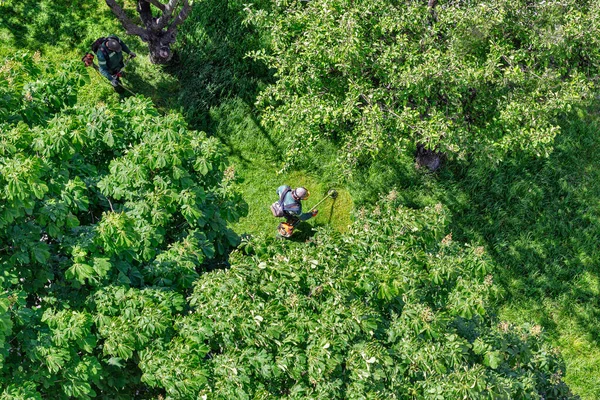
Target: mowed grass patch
x,y
259,186
258,161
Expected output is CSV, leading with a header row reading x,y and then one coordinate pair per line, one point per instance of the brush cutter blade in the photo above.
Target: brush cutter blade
x,y
333,194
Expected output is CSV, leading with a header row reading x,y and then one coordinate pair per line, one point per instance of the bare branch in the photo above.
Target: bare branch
x,y
129,26
163,20
157,4
183,14
143,9
431,5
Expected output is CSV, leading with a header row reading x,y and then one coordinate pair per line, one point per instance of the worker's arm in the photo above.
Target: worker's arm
x,y
102,67
305,216
308,215
125,48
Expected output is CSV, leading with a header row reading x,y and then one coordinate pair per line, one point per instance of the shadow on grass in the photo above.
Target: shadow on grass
x,y
304,231
162,90
32,23
235,124
212,64
540,221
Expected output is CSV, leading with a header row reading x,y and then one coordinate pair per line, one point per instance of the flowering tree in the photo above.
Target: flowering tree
x,y
478,79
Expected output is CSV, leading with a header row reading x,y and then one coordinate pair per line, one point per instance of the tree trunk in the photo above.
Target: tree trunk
x,y
430,159
159,45
159,32
431,5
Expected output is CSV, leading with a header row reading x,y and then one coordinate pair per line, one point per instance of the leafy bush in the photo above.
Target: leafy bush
x,y
93,196
394,309
476,78
31,91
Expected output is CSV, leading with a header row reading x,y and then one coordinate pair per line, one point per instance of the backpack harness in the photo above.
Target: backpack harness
x,y
99,44
277,208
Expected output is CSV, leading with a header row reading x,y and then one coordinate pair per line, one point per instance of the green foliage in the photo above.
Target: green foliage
x,y
107,213
394,309
31,91
478,79
53,25
110,212
539,220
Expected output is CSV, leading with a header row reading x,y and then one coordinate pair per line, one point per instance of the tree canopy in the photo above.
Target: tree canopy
x,y
478,79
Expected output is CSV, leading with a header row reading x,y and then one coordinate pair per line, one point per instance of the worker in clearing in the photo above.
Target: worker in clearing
x,y
109,51
291,201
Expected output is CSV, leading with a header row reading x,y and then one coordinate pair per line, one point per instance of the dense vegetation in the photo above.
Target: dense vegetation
x,y
128,267
94,197
478,79
393,309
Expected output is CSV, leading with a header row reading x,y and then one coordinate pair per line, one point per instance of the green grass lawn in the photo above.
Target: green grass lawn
x,y
539,219
258,162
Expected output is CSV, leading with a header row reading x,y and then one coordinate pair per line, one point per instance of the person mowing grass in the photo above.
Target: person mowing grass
x,y
289,206
109,51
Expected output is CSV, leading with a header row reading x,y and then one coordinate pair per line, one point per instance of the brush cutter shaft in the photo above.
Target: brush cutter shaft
x,y
88,60
331,193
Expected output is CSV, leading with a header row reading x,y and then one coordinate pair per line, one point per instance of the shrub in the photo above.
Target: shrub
x,y
393,309
103,207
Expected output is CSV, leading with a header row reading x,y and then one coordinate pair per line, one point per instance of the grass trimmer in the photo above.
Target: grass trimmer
x,y
286,229
331,193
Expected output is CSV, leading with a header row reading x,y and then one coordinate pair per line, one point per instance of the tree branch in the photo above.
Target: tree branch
x,y
431,5
183,14
157,4
167,12
143,8
129,26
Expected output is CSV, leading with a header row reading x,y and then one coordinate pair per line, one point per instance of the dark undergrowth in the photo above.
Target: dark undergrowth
x,y
211,65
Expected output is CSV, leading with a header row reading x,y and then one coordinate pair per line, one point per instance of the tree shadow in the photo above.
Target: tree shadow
x,y
161,91
236,126
212,64
266,135
539,220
